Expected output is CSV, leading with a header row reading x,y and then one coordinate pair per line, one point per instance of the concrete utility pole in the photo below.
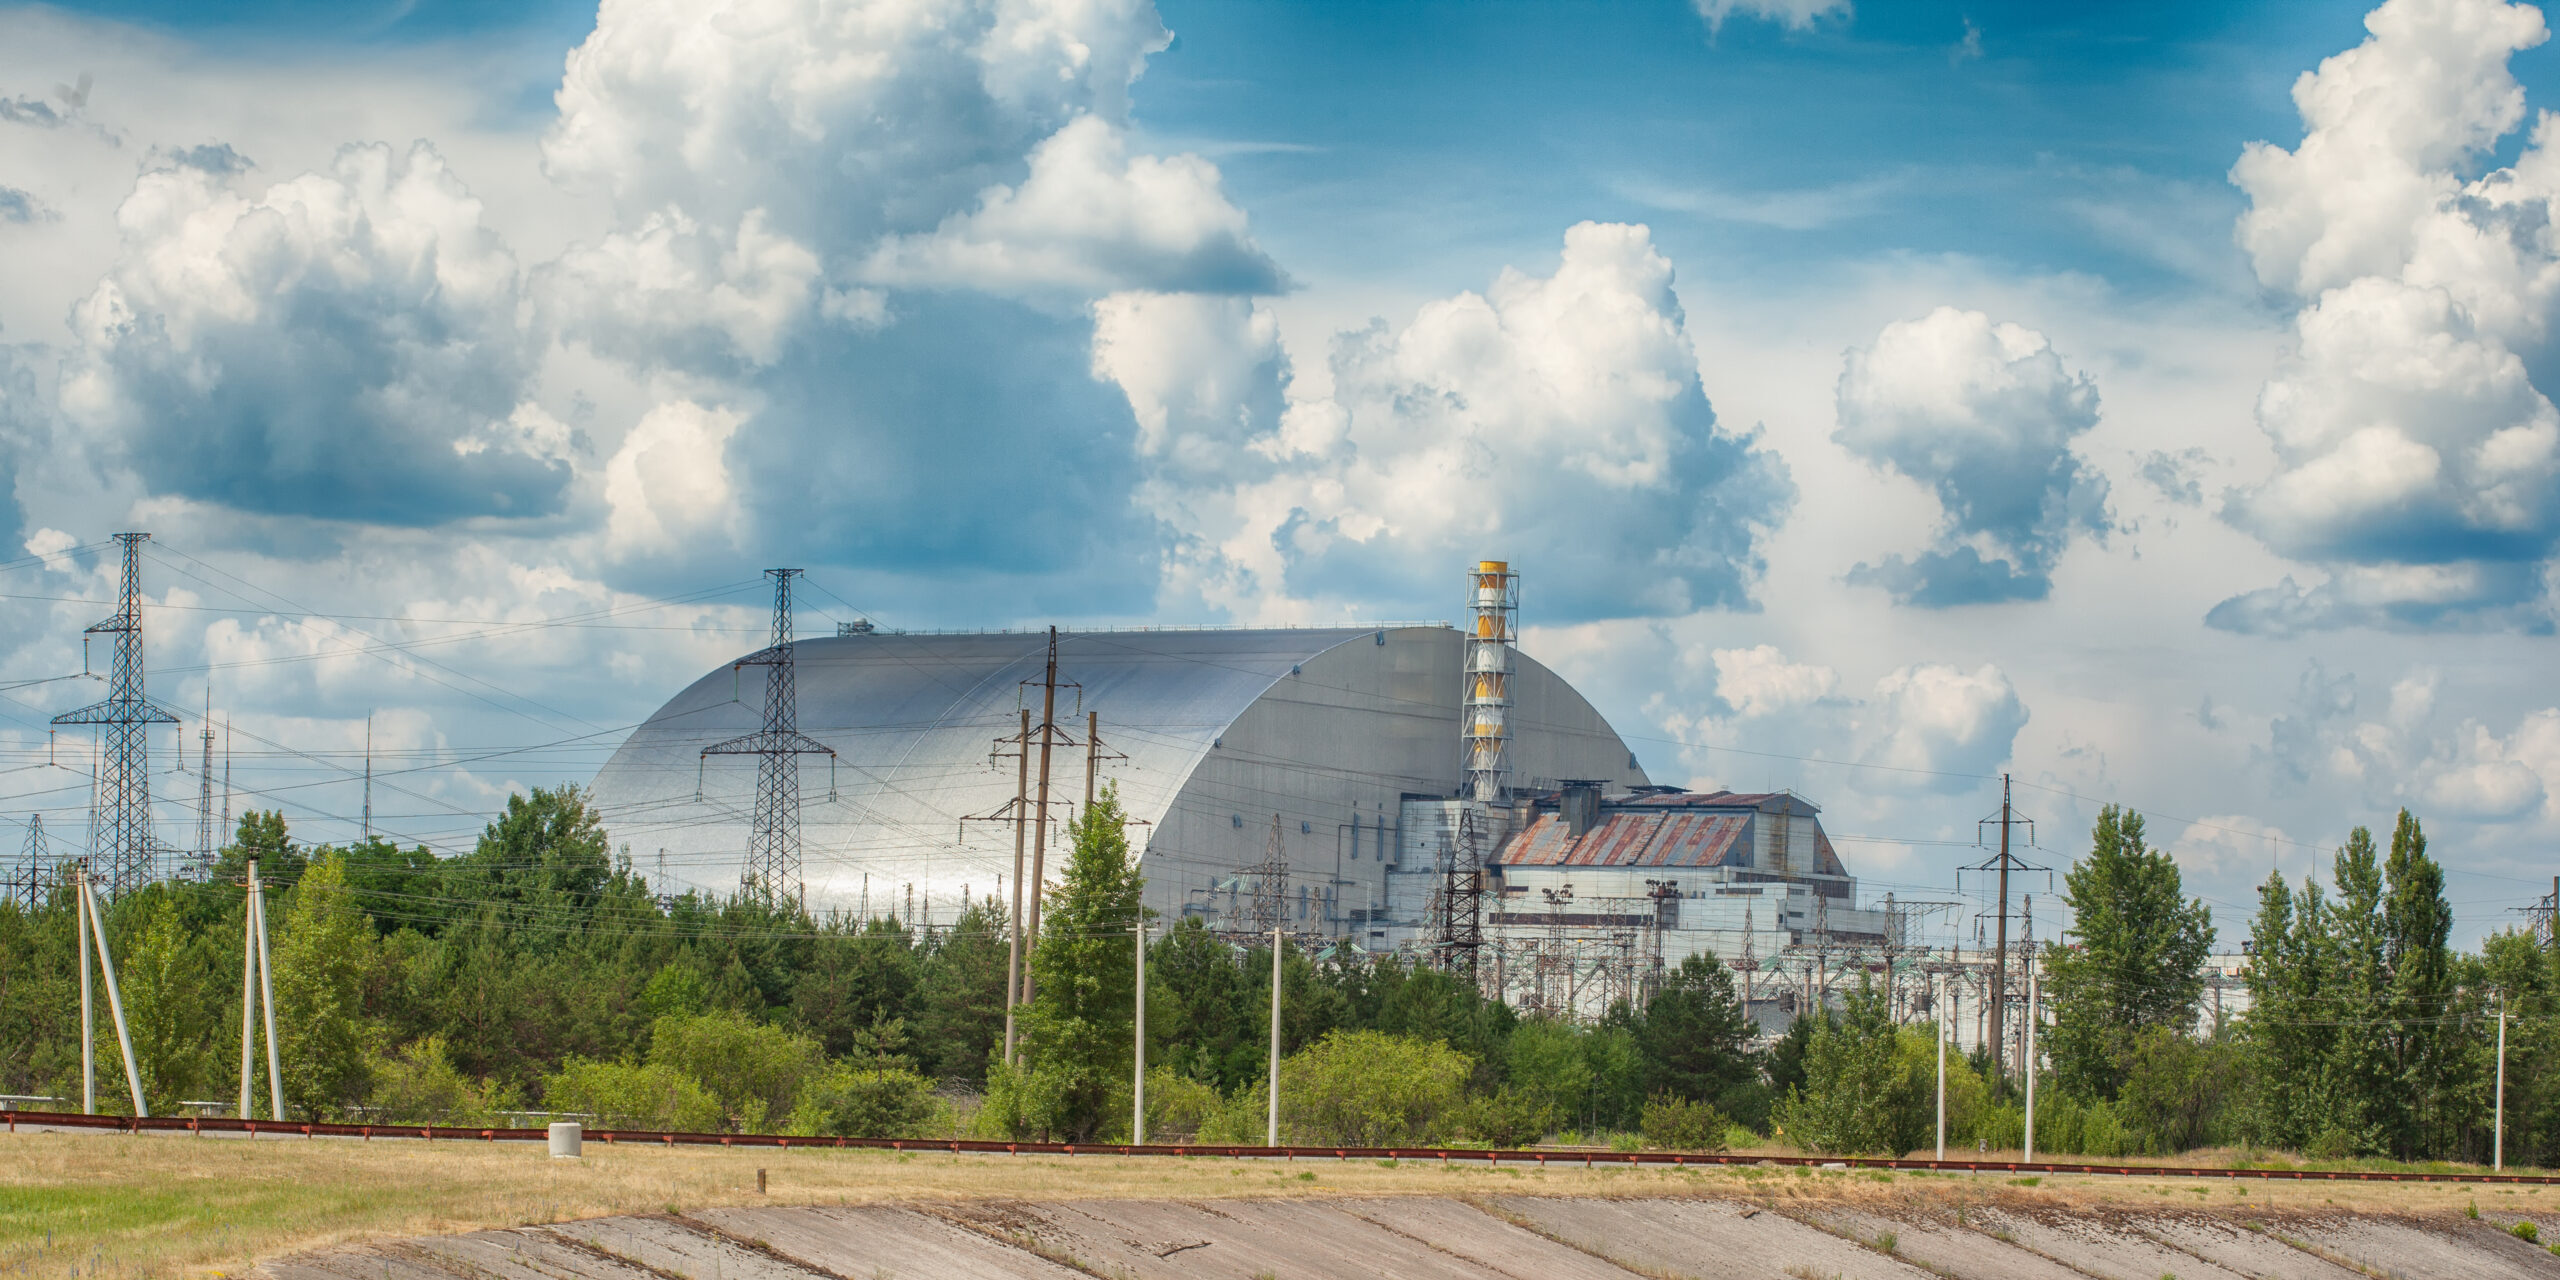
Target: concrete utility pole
x,y
1271,1132
248,990
1021,819
1942,1070
1138,1089
2000,943
88,1023
267,995
1040,809
115,1006
2027,1060
2498,1127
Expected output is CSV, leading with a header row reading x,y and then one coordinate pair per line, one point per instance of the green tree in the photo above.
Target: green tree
x,y
168,1009
960,997
1077,1033
322,955
2178,1089
2433,1071
1693,1033
1857,1097
262,835
2288,1033
2132,958
851,982
1545,1064
2365,1106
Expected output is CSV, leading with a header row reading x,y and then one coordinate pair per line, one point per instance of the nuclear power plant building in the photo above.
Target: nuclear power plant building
x,y
1399,787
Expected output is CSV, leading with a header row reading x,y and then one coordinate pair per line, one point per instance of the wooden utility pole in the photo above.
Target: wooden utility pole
x,y
1092,753
1021,804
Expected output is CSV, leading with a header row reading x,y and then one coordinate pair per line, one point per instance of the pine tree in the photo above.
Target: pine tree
x,y
1692,1034
2133,960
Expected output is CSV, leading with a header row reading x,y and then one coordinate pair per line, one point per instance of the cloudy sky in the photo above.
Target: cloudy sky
x,y
1876,398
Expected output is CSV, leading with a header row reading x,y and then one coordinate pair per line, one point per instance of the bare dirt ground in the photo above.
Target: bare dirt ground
x,y
167,1205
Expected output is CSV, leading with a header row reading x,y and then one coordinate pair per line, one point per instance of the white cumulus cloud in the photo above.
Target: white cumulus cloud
x,y
1983,414
1558,418
2410,439
343,344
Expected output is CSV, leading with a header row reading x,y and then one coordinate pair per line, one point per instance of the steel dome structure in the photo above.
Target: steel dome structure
x,y
1209,734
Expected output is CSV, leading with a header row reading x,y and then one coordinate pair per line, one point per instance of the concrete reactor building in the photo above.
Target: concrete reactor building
x,y
1422,788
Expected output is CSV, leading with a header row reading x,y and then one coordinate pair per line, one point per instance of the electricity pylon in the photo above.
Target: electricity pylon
x,y
125,718
772,874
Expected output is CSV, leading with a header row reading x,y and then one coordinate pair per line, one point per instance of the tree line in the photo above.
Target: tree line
x,y
539,973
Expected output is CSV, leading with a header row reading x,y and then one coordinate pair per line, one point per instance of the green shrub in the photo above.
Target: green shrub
x,y
754,1071
630,1095
1178,1105
1371,1089
1674,1123
864,1102
1506,1117
2526,1232
420,1085
1625,1142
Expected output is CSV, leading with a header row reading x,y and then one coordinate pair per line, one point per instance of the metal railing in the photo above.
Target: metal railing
x,y
1493,1157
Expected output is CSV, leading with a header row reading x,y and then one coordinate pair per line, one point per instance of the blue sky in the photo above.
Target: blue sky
x,y
1864,389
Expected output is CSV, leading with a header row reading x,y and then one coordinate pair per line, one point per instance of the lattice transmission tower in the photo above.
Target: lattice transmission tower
x,y
30,885
772,873
124,720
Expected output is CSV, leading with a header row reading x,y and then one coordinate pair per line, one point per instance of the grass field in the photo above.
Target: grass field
x,y
153,1205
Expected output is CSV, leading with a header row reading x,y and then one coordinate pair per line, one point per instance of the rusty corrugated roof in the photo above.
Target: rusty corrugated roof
x,y
1624,839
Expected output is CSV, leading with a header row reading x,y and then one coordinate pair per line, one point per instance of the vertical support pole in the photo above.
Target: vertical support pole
x,y
1092,753
2027,1060
1138,1118
248,991
1271,1132
1021,808
267,999
1943,1019
88,1021
2000,953
115,1004
2498,1129
1040,808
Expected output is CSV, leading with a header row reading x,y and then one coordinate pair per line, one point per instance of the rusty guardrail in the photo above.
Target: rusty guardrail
x,y
1490,1156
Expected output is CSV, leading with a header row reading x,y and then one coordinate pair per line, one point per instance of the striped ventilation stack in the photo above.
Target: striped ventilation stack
x,y
1485,719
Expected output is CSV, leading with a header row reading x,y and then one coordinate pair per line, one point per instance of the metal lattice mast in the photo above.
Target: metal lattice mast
x,y
1270,883
124,720
1459,932
772,873
206,833
1484,721
29,887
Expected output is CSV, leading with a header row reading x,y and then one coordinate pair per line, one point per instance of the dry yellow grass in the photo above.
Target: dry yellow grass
x,y
170,1205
